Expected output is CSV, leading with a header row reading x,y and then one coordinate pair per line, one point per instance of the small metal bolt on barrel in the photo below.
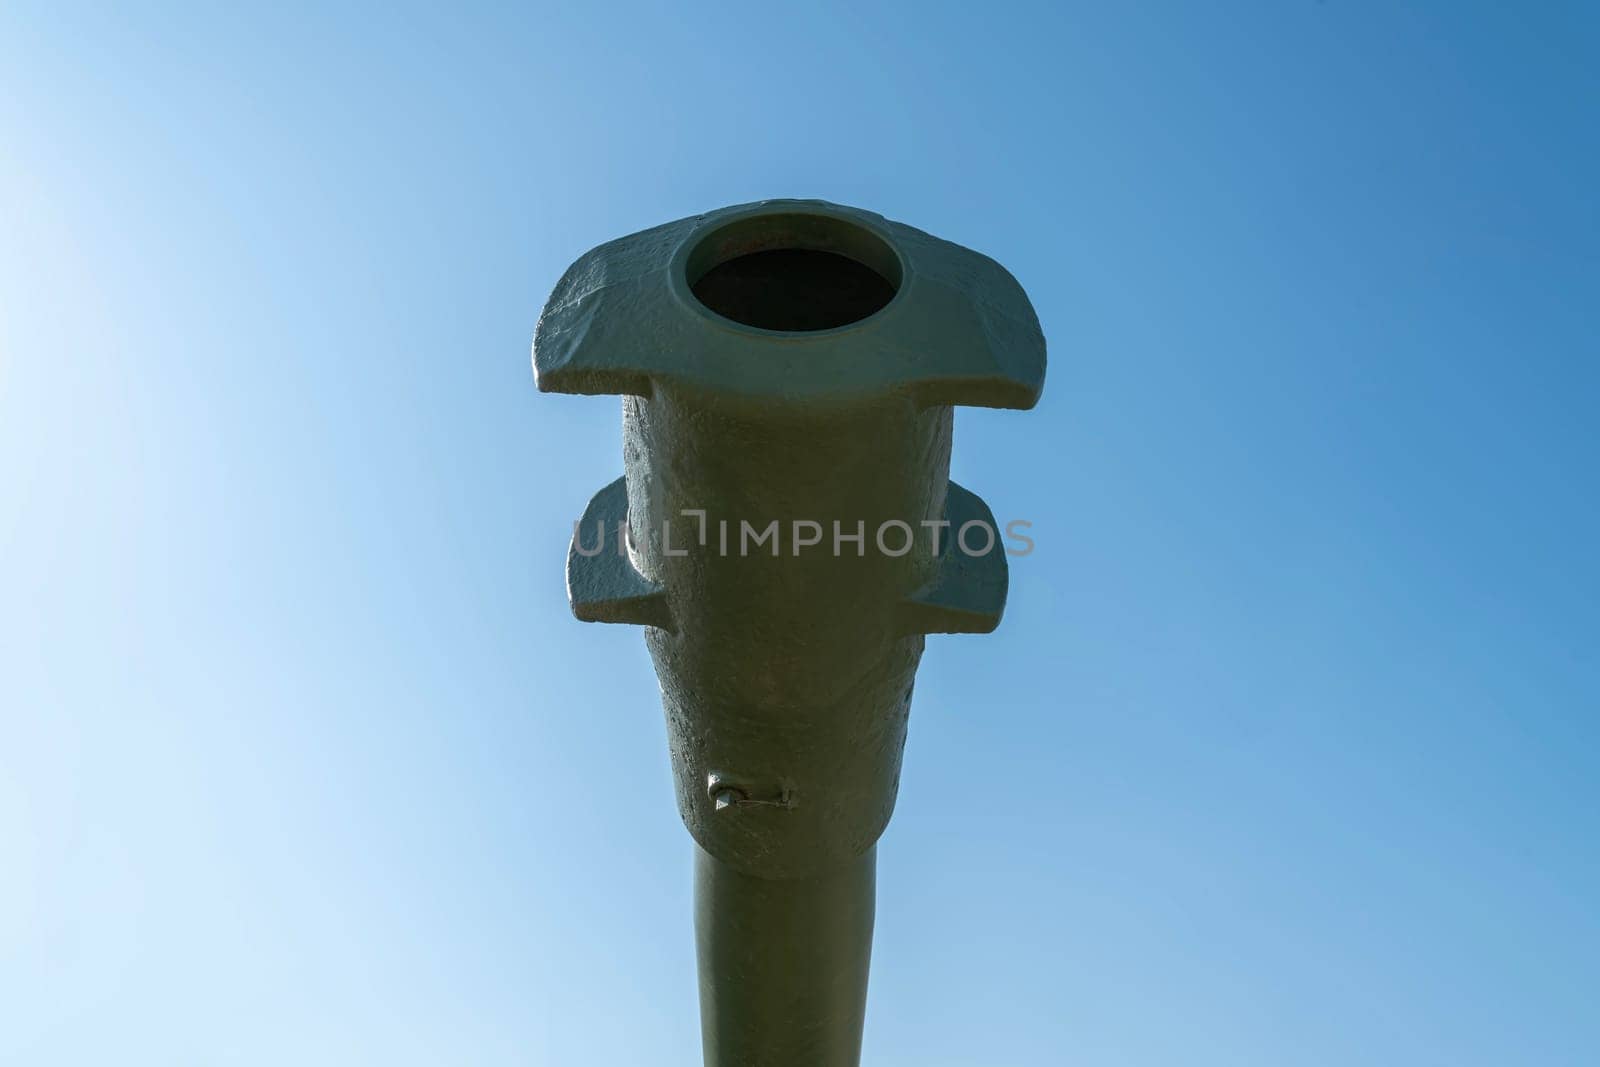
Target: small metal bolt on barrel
x,y
786,532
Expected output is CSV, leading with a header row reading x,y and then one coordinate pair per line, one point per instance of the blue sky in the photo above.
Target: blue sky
x,y
1286,751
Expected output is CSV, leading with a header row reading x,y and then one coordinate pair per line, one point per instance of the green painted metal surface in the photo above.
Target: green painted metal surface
x,y
787,372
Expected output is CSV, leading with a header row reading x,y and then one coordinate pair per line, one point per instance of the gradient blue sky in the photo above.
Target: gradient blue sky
x,y
1286,751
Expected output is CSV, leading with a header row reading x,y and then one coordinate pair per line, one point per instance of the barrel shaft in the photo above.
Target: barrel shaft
x,y
783,964
788,370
